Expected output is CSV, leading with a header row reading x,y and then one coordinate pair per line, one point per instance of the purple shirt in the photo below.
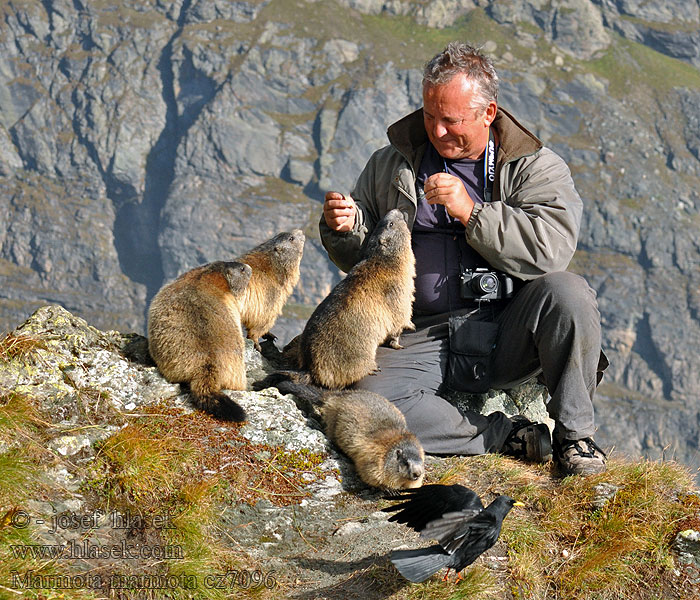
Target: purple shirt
x,y
438,241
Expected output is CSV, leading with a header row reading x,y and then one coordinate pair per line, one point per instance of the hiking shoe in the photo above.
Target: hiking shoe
x,y
579,457
528,440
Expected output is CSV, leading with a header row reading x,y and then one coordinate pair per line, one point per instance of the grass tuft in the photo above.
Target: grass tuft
x,y
603,537
602,541
19,346
188,466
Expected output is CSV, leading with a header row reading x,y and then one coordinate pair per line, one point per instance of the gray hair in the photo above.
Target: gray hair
x,y
457,58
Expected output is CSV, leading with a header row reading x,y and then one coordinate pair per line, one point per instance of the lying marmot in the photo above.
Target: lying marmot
x,y
365,426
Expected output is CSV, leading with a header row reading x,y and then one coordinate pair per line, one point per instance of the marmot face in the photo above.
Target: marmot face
x,y
404,462
390,236
285,250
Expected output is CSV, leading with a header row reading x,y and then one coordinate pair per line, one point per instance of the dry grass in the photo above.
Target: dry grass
x,y
169,450
605,537
19,346
22,433
19,418
188,466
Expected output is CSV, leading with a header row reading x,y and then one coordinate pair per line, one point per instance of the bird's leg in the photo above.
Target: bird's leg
x,y
459,577
446,574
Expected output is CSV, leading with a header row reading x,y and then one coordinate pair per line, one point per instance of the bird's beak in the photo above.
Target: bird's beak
x,y
518,504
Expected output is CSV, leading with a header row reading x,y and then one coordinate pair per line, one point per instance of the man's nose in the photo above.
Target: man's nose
x,y
439,129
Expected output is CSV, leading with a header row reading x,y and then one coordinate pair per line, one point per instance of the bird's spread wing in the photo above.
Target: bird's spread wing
x,y
450,529
430,502
463,535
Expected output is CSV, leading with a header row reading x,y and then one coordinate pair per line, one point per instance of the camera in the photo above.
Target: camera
x,y
482,284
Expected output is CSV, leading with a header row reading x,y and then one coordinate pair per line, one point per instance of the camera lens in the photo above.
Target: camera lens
x,y
486,283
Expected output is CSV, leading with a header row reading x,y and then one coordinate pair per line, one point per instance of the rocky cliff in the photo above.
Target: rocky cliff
x,y
139,139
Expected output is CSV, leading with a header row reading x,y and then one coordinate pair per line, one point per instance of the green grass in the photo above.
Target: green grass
x,y
629,66
619,550
19,567
567,543
20,476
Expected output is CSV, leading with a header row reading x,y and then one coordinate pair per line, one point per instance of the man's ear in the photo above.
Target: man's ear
x,y
490,113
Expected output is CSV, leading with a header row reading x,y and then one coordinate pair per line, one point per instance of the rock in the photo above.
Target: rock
x,y
687,544
604,493
341,50
528,399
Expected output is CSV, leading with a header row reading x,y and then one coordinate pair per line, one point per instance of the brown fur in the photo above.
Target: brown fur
x,y
369,429
195,336
373,433
275,265
371,306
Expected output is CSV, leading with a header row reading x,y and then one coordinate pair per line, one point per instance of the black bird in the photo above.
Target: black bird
x,y
455,517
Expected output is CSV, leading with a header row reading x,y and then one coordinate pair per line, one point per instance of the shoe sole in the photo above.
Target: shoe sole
x,y
543,451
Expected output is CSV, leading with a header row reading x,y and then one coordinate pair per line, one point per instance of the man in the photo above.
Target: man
x,y
479,191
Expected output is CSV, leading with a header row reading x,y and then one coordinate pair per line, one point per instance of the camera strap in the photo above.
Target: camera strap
x,y
489,166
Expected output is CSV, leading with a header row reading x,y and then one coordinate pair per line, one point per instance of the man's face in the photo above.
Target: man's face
x,y
454,127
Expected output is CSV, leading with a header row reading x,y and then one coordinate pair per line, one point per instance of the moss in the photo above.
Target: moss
x,y
630,66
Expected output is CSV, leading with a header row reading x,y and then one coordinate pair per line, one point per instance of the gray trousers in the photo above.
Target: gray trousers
x,y
550,327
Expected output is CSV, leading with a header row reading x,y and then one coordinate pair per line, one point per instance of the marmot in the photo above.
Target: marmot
x,y
195,336
275,265
368,428
372,305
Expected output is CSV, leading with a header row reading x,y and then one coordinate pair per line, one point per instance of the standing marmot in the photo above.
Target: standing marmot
x,y
195,336
275,265
371,306
368,428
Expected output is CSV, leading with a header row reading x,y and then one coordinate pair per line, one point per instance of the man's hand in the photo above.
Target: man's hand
x,y
339,211
448,190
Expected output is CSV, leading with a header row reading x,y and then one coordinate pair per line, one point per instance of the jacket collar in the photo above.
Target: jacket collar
x,y
408,136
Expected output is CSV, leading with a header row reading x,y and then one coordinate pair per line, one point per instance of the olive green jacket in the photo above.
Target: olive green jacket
x,y
530,228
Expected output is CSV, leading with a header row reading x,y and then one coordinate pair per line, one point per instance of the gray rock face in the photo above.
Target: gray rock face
x,y
651,23
139,140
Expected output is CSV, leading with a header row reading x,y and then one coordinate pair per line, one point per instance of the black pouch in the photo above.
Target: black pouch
x,y
470,367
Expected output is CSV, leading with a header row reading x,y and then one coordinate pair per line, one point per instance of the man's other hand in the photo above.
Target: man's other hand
x,y
339,212
448,190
